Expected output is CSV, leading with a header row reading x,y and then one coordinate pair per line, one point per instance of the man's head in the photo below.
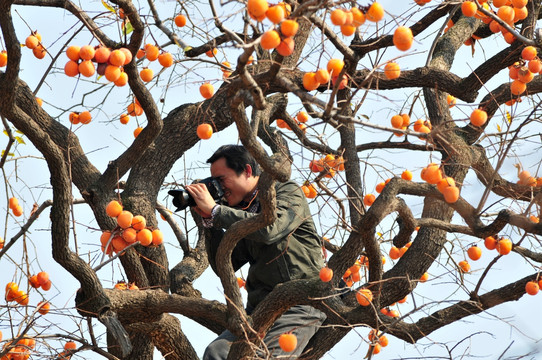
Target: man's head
x,y
236,170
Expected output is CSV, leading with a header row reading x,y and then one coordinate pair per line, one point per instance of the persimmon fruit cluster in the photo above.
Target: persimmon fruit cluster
x,y
388,312
130,229
84,117
501,244
352,274
401,121
121,285
134,108
33,42
41,279
445,184
13,293
309,190
423,126
15,207
312,80
21,350
328,164
396,253
260,10
347,19
377,341
300,119
525,178
109,63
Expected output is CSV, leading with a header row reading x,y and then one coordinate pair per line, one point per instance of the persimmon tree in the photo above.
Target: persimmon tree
x,y
410,128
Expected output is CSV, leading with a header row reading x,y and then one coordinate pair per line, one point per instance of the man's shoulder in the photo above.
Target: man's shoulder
x,y
286,183
290,184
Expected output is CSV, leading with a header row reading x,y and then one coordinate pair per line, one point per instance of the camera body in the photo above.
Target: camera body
x,y
182,199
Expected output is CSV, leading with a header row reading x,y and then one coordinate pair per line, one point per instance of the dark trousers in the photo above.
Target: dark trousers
x,y
301,320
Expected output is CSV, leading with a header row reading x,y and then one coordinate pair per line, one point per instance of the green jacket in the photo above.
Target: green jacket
x,y
288,249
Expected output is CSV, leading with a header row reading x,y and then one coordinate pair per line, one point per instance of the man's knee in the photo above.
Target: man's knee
x,y
219,348
302,320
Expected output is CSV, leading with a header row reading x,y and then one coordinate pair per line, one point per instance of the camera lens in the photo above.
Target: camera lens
x,y
181,199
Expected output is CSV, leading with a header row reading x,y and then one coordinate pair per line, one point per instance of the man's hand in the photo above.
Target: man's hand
x,y
203,199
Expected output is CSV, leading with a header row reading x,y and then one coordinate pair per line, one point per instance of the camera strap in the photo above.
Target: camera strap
x,y
250,203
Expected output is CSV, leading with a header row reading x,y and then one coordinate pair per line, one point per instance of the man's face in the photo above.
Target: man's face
x,y
236,187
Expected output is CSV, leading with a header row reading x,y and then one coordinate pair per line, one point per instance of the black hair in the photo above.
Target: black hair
x,y
237,157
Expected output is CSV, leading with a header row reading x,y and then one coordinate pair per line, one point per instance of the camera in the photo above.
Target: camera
x,y
182,199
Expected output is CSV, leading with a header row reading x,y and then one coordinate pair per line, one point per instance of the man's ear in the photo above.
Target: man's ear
x,y
248,170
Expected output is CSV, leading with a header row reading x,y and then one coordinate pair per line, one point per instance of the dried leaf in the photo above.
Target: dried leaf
x,y
34,209
127,28
108,7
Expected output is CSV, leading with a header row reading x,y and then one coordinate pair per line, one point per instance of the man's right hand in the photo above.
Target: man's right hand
x,y
203,199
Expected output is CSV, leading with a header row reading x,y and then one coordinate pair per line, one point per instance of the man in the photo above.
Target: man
x,y
288,249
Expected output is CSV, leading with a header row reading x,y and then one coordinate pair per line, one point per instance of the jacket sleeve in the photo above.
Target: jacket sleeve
x,y
213,238
290,211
